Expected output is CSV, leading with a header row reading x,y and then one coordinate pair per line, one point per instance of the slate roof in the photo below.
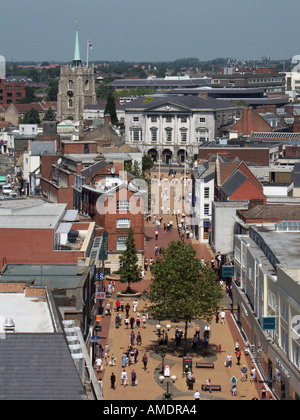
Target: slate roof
x,y
233,183
188,102
38,367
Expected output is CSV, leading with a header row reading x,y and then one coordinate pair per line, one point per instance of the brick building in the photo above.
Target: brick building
x,y
11,92
35,232
114,203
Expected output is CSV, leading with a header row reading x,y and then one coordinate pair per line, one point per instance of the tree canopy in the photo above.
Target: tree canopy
x,y
130,272
183,287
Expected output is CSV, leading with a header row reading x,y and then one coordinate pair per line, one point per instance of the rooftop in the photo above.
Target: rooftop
x,y
30,315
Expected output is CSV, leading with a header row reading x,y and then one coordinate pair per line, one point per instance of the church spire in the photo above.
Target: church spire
x,y
77,60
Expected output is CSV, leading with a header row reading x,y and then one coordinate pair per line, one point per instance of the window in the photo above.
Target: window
x,y
154,119
183,136
71,85
168,119
168,134
202,120
206,209
206,192
135,119
271,300
123,223
123,205
136,135
121,243
153,135
70,103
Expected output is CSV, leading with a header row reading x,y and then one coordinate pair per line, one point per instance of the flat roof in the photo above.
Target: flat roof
x,y
30,215
29,314
54,276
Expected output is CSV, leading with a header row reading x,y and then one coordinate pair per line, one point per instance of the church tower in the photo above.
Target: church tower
x,y
76,87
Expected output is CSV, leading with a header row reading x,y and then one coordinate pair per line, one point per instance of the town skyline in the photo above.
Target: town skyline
x,y
126,31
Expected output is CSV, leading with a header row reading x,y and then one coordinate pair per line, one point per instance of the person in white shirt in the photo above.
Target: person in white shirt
x,y
197,395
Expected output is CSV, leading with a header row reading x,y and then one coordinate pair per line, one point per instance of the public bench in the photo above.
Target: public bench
x,y
205,365
205,387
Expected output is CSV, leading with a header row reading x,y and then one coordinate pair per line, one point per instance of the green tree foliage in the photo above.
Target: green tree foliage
x,y
31,117
147,163
52,91
110,109
49,115
183,287
130,272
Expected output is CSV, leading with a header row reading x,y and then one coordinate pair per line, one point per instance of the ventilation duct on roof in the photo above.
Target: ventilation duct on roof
x,y
9,325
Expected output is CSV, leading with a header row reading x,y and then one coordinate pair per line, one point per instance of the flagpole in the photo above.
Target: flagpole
x,y
87,53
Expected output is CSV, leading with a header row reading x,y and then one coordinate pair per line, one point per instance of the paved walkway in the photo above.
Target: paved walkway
x,y
149,387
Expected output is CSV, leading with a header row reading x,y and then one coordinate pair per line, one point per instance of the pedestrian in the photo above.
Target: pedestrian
x,y
100,350
145,361
197,331
122,306
135,305
113,381
208,385
106,358
233,381
197,395
132,338
244,371
139,339
253,377
156,235
127,309
118,305
229,360
126,323
113,360
238,356
133,378
99,365
222,315
144,321
124,360
138,321
190,381
195,342
132,322
124,378
108,309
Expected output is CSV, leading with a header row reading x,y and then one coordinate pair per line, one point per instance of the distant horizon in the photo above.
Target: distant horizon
x,y
158,31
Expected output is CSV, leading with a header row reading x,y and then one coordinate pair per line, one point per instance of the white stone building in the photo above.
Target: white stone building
x,y
170,128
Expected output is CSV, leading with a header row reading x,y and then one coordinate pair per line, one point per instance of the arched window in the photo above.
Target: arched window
x,y
87,85
71,84
70,103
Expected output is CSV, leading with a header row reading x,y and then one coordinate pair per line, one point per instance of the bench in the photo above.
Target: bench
x,y
205,387
205,365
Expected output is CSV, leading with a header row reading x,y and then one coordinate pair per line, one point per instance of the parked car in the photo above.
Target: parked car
x,y
6,189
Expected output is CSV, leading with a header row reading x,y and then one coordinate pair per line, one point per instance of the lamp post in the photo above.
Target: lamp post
x,y
173,379
158,327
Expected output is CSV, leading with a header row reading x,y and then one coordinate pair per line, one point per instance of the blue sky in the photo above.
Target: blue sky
x,y
156,30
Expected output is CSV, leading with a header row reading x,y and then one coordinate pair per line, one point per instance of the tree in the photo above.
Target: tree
x,y
182,287
110,109
147,163
49,115
31,117
130,272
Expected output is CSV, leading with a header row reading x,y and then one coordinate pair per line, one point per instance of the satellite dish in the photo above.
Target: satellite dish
x,y
59,161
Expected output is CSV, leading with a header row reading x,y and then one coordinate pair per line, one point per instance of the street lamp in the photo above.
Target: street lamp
x,y
173,380
158,327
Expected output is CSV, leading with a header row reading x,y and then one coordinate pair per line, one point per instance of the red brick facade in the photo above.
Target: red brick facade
x,y
11,93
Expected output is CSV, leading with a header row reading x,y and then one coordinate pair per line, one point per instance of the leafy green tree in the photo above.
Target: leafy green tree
x,y
147,163
52,91
130,271
49,115
31,117
183,287
110,109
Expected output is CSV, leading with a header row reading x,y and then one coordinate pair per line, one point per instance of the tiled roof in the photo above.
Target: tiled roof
x,y
38,367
